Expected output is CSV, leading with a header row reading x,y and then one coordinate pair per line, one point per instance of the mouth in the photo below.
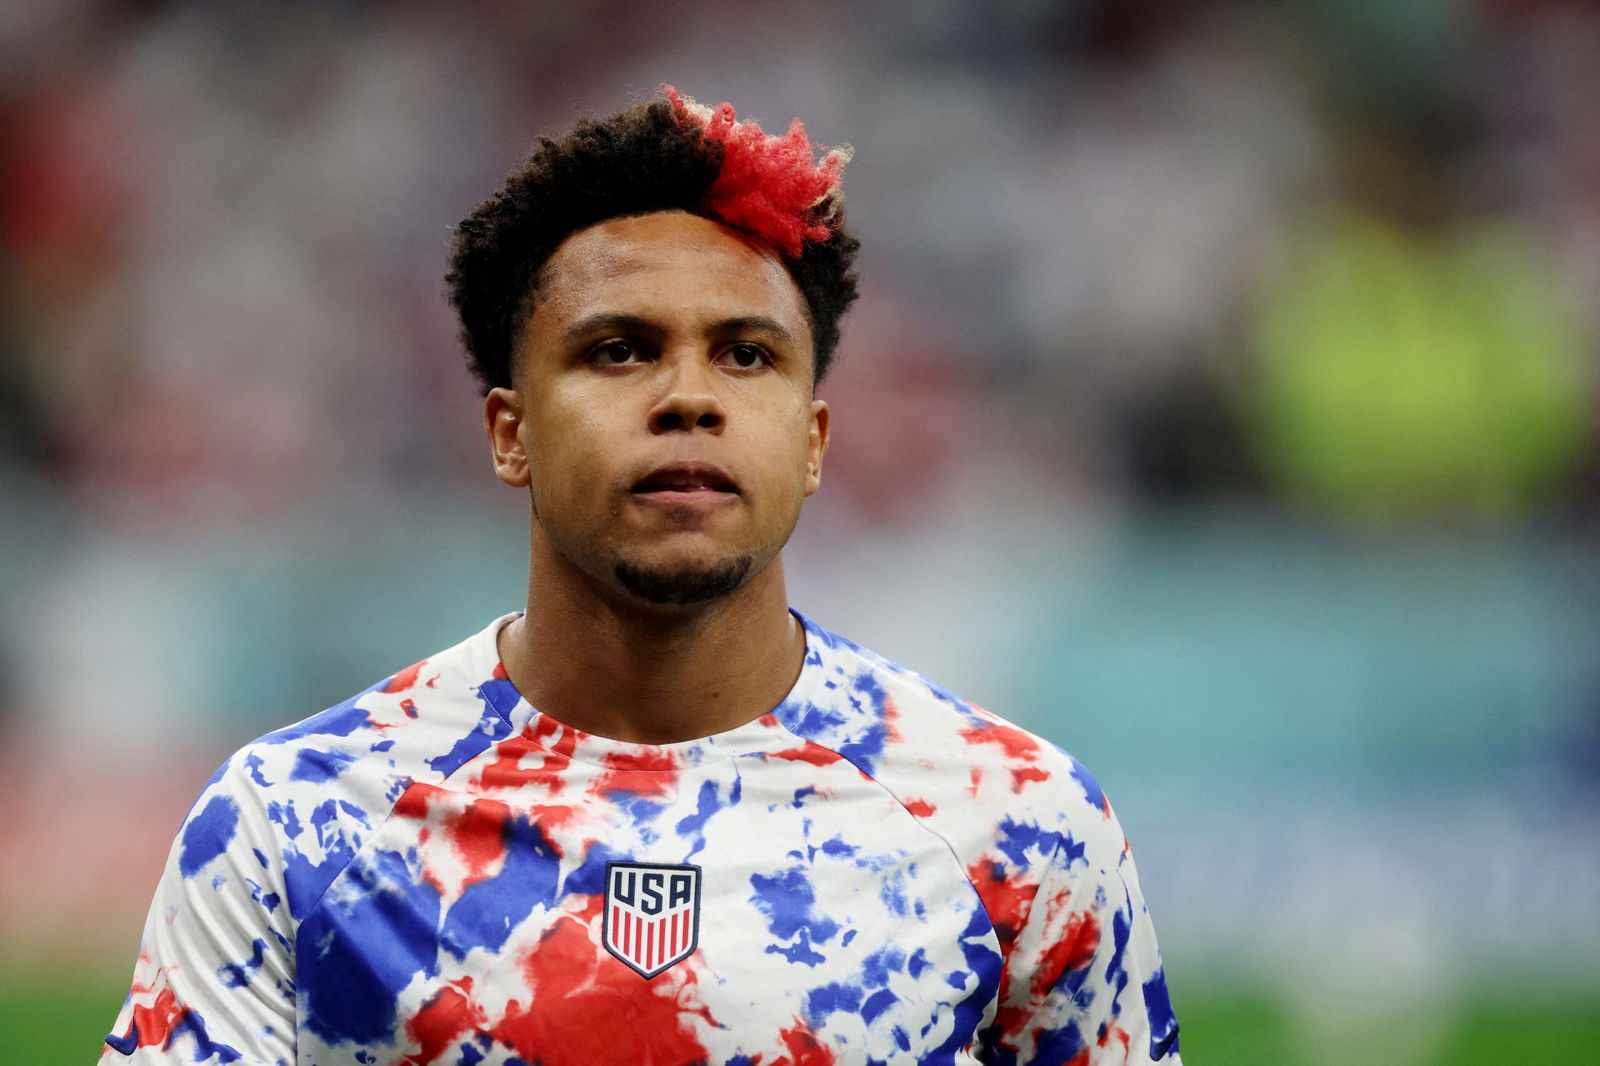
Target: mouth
x,y
686,481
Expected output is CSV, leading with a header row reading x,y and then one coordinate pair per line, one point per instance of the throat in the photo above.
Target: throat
x,y
654,681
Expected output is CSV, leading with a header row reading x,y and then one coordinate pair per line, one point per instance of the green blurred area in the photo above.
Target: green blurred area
x,y
1228,1019
1404,377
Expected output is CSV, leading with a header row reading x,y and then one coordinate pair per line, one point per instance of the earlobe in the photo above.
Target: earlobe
x,y
502,421
816,445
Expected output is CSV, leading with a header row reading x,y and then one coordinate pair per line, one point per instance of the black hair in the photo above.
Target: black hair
x,y
638,161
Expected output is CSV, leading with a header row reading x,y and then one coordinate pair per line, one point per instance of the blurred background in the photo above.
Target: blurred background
x,y
1221,404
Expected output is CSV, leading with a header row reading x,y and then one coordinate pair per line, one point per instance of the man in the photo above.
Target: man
x,y
658,817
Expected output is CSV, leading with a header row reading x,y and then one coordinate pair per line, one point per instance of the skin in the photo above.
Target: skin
x,y
655,342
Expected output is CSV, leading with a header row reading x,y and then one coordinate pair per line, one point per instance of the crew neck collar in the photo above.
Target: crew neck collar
x,y
766,732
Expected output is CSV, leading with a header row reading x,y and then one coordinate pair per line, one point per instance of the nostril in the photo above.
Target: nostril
x,y
683,412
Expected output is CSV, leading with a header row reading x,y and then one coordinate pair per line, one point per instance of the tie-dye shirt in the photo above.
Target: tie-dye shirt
x,y
876,871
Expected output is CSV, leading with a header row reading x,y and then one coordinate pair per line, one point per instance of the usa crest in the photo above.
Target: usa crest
x,y
652,914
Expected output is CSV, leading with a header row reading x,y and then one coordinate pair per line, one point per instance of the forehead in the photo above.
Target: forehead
x,y
670,265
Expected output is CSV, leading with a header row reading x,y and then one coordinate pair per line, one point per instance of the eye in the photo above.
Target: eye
x,y
615,353
745,356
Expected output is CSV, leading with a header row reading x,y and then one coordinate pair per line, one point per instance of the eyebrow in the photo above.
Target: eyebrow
x,y
624,323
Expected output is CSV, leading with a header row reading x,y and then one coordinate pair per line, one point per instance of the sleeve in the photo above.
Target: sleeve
x,y
1083,983
214,982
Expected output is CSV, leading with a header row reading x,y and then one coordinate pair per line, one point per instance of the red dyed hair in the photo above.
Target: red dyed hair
x,y
770,186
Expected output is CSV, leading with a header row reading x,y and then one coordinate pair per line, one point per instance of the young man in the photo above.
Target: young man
x,y
658,817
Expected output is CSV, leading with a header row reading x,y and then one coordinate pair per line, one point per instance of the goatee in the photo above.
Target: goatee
x,y
684,586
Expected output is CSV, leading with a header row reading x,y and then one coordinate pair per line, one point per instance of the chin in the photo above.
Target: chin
x,y
684,584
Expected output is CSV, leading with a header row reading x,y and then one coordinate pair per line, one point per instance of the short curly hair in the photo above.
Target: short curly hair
x,y
662,155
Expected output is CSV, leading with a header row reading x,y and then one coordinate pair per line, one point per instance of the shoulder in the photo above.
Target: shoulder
x,y
428,718
299,801
979,780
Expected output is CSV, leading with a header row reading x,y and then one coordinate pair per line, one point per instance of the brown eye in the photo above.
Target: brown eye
x,y
746,356
614,353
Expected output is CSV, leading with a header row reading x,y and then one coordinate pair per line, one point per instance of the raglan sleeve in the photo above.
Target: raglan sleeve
x,y
214,981
1084,983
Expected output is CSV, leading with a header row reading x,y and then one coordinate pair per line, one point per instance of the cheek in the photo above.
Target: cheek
x,y
788,452
563,442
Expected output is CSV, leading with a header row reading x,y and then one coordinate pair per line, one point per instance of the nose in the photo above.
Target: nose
x,y
689,400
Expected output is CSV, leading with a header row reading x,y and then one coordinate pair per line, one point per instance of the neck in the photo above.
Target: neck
x,y
600,662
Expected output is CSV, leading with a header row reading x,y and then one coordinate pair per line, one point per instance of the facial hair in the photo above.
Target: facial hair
x,y
685,586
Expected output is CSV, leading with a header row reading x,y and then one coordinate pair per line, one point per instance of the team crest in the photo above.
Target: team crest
x,y
652,914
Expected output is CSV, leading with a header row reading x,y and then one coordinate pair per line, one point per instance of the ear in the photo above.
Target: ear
x,y
816,445
502,421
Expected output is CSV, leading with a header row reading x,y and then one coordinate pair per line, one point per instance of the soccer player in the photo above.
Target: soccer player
x,y
658,817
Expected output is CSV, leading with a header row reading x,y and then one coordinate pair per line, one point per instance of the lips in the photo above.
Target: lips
x,y
686,478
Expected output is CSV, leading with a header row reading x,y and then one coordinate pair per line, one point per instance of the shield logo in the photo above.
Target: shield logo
x,y
652,914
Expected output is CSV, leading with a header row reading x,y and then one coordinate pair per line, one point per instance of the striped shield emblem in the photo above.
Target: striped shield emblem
x,y
652,914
